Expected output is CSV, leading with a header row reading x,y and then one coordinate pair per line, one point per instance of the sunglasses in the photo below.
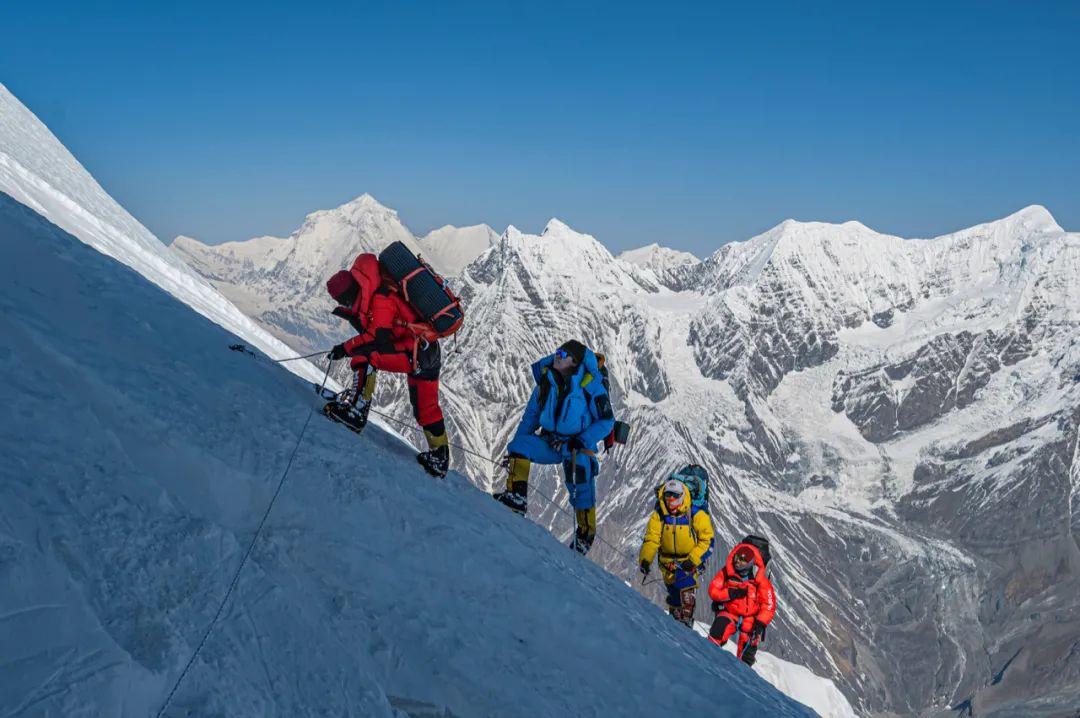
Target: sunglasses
x,y
561,354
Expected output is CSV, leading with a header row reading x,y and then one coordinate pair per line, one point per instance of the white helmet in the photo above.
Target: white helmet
x,y
674,490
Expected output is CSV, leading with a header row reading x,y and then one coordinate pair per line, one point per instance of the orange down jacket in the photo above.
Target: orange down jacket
x,y
760,599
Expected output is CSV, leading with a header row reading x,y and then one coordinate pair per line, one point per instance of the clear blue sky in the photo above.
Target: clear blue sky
x,y
689,125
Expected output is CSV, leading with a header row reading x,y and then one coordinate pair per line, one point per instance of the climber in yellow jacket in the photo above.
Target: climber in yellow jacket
x,y
678,536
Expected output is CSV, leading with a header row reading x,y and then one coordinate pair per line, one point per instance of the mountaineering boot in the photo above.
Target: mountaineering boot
x,y
516,496
516,502
436,461
354,417
351,406
689,603
581,542
682,614
585,533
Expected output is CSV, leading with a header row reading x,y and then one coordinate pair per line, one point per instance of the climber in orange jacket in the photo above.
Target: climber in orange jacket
x,y
744,601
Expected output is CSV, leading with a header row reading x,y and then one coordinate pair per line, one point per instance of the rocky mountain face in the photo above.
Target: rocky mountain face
x,y
899,416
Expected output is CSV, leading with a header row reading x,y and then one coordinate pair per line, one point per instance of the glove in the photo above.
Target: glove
x,y
716,606
555,443
734,593
338,352
688,566
575,444
644,567
757,633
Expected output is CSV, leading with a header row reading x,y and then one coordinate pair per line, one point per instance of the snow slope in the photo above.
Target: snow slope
x,y
38,171
791,679
139,455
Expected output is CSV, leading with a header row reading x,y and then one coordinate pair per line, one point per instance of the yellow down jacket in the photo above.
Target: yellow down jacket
x,y
686,533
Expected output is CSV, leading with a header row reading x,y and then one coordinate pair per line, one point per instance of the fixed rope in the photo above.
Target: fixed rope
x,y
244,350
532,489
243,560
411,426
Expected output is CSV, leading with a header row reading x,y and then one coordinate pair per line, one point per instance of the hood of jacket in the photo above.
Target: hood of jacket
x,y
683,510
367,273
759,562
588,366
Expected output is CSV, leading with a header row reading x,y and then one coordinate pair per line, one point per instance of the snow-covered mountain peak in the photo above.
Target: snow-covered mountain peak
x,y
361,223
450,249
1031,220
673,269
363,204
556,227
794,246
652,254
557,238
562,252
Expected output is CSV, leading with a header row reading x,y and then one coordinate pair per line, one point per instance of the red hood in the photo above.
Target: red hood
x,y
758,561
366,272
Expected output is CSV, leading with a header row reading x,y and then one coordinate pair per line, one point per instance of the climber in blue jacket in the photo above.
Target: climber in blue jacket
x,y
568,414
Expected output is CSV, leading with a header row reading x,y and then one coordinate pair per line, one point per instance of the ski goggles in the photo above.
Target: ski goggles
x,y
744,556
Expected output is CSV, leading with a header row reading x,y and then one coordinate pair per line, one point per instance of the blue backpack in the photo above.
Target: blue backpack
x,y
696,479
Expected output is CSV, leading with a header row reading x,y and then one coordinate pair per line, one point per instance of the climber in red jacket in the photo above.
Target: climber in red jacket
x,y
744,601
370,301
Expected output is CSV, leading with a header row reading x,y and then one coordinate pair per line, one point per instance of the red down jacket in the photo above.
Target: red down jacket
x,y
380,310
760,599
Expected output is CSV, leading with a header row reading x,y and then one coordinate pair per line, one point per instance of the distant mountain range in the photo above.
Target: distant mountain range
x,y
898,416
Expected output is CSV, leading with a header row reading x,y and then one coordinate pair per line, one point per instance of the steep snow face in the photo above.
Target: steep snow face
x,y
373,590
38,171
450,249
848,391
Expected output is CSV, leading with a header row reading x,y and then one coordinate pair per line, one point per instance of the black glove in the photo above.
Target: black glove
x,y
338,352
555,442
575,444
645,567
734,593
757,633
716,606
688,566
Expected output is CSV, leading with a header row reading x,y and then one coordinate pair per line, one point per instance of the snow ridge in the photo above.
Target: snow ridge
x,y
38,171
